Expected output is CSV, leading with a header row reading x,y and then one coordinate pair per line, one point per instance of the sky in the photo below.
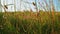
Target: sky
x,y
57,5
20,5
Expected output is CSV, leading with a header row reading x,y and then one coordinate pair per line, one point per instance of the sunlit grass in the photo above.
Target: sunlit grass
x,y
29,23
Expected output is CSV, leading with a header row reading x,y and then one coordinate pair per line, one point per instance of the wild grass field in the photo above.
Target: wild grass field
x,y
29,23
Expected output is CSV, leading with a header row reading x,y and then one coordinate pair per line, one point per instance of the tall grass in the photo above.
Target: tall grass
x,y
16,23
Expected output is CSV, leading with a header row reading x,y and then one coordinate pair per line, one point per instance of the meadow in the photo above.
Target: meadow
x,y
29,23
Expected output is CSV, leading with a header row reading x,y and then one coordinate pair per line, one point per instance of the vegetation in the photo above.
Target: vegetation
x,y
29,23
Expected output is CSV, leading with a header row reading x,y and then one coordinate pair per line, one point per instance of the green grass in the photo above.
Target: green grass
x,y
29,23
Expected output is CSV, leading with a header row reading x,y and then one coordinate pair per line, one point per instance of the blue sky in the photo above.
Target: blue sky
x,y
57,5
26,6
